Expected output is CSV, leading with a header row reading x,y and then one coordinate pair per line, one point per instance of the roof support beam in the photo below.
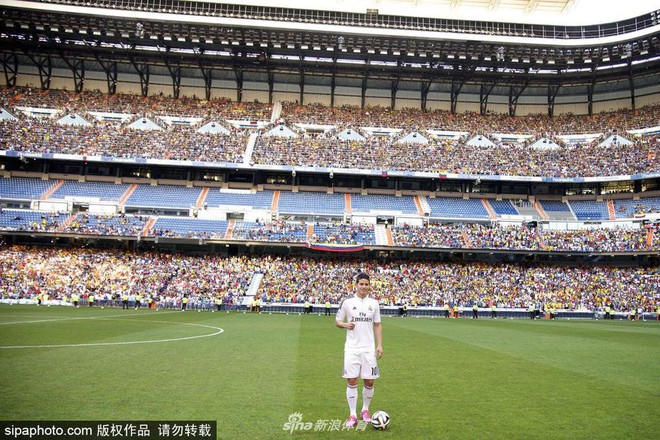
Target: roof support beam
x,y
553,89
142,70
207,73
590,91
175,74
301,78
45,66
394,88
458,82
239,84
426,86
301,82
333,86
10,64
77,67
515,91
238,73
110,69
484,93
271,85
631,81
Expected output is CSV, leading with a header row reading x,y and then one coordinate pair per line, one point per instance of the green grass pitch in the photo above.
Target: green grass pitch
x,y
440,379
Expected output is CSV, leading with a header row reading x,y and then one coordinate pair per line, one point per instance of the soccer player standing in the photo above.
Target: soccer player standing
x,y
360,316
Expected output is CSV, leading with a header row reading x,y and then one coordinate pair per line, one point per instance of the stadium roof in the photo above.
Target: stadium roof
x,y
563,12
256,40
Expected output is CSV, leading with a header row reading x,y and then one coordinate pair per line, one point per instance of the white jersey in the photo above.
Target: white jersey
x,y
364,313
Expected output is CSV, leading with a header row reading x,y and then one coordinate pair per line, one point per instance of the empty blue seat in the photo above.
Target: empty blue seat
x,y
258,200
590,210
102,191
554,206
448,207
164,196
24,188
503,207
189,227
377,202
311,203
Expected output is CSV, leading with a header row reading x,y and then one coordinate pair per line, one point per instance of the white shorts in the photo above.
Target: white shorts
x,y
360,364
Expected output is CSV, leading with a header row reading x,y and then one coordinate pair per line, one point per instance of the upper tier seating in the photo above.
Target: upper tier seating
x,y
630,208
113,139
449,207
123,225
188,227
311,203
557,210
345,234
590,210
102,191
376,202
25,220
24,188
258,200
164,196
503,207
279,231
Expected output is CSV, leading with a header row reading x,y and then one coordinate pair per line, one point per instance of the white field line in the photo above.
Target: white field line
x,y
79,318
217,331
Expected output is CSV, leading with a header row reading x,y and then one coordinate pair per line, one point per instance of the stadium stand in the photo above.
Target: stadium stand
x,y
344,234
503,207
163,196
292,280
256,200
178,143
589,210
311,203
375,203
24,188
90,190
122,224
557,210
187,227
23,220
278,231
455,208
626,208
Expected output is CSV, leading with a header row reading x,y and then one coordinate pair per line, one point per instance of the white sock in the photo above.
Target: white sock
x,y
367,395
351,398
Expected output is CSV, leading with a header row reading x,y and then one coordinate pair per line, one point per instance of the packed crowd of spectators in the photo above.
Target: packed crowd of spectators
x,y
436,284
15,220
343,233
477,236
168,278
110,275
43,135
171,233
416,119
279,231
106,224
454,236
96,101
454,156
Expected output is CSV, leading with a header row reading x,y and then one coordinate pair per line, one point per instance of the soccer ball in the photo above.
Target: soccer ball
x,y
380,420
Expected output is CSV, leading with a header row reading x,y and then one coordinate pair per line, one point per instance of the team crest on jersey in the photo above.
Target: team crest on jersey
x,y
370,309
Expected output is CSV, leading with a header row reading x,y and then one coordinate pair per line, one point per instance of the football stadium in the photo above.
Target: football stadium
x,y
417,219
